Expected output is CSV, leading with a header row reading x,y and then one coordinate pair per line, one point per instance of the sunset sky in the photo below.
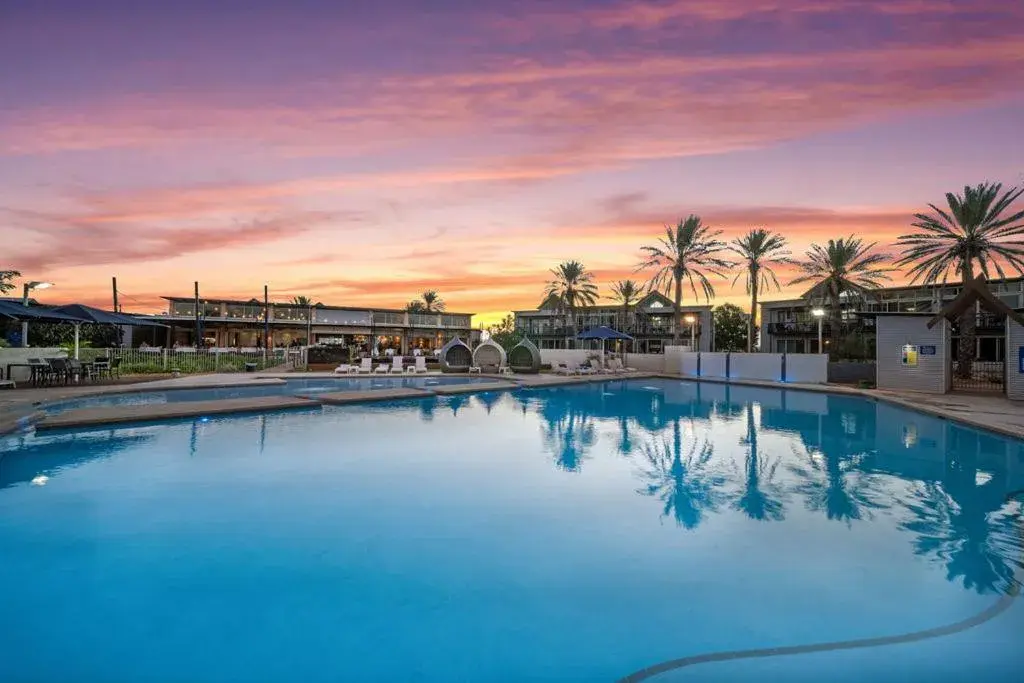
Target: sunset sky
x,y
361,152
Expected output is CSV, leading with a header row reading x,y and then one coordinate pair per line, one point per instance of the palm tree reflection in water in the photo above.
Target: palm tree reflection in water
x,y
568,433
835,486
686,484
762,497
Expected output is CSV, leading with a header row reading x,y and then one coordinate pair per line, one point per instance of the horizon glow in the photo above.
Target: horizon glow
x,y
361,154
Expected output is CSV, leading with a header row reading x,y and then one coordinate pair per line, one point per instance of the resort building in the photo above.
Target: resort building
x,y
230,323
651,323
789,326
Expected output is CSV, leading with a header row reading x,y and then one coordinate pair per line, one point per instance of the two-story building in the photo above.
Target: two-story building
x,y
651,323
789,326
232,323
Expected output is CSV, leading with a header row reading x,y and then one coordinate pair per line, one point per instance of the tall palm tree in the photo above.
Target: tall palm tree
x,y
842,267
689,251
573,286
432,301
627,293
300,300
759,250
977,230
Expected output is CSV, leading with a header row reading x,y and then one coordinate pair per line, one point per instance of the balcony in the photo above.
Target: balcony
x,y
798,329
639,331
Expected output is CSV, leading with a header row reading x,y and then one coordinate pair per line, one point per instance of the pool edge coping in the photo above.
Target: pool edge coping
x,y
31,413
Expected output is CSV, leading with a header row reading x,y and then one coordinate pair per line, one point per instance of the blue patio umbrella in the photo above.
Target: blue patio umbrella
x,y
88,314
604,333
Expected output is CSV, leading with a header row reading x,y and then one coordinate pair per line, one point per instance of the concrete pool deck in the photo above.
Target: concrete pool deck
x,y
994,413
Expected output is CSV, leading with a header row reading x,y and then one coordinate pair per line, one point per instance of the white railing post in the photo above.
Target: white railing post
x,y
165,360
216,360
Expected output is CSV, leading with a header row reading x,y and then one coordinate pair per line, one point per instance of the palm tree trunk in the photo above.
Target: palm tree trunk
x,y
676,331
968,321
835,319
751,324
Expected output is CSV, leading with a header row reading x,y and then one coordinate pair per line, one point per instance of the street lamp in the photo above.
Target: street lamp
x,y
693,332
29,286
819,313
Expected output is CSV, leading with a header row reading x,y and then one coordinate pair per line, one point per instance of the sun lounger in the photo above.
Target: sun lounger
x,y
421,365
396,365
382,369
343,369
585,369
474,369
365,366
561,369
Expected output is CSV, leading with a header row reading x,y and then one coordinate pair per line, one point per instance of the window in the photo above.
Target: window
x,y
789,346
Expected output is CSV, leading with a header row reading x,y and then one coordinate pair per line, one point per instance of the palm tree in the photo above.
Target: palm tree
x,y
759,249
687,252
573,285
835,487
432,302
415,306
300,300
977,230
626,292
6,280
843,267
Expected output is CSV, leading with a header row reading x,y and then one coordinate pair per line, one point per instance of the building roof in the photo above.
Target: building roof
x,y
257,302
975,291
895,289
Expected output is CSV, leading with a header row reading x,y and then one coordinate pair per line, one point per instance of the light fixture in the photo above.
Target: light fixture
x,y
39,285
689,319
818,312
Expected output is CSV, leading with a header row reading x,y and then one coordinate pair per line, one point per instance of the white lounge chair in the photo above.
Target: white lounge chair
x,y
474,369
620,368
504,370
343,369
396,365
585,369
365,366
562,368
381,369
420,366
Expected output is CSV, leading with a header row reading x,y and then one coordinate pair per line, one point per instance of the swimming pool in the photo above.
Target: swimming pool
x,y
289,387
580,533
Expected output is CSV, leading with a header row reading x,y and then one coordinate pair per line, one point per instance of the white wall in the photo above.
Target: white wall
x,y
644,362
687,365
763,366
713,364
1014,376
20,355
811,368
932,373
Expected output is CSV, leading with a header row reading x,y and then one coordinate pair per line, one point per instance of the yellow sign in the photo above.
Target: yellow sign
x,y
909,357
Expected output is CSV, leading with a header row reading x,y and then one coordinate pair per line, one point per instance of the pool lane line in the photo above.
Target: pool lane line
x,y
992,611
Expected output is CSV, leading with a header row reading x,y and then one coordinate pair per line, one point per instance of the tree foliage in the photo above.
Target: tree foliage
x,y
730,328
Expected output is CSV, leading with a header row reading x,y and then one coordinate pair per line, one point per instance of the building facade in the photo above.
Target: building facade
x,y
227,323
651,323
789,326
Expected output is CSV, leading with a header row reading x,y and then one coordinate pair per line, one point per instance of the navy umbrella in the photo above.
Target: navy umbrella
x,y
88,314
604,333
9,309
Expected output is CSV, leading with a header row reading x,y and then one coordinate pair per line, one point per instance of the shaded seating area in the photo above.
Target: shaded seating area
x,y
456,356
489,356
524,357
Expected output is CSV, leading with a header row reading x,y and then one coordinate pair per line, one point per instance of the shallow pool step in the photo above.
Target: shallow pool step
x,y
451,389
342,397
165,411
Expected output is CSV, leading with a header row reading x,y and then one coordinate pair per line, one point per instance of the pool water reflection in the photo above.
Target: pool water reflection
x,y
575,533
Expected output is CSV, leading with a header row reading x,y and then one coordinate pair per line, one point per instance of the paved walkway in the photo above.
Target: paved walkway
x,y
994,413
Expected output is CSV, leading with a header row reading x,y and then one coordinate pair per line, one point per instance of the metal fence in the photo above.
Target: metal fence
x,y
984,377
191,361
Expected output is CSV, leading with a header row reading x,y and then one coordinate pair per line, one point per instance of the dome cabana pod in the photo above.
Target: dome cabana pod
x,y
489,356
456,356
524,357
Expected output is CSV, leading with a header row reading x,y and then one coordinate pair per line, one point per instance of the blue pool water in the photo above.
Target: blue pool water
x,y
290,387
574,534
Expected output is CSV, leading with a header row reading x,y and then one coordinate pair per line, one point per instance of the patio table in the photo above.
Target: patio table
x,y
34,367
